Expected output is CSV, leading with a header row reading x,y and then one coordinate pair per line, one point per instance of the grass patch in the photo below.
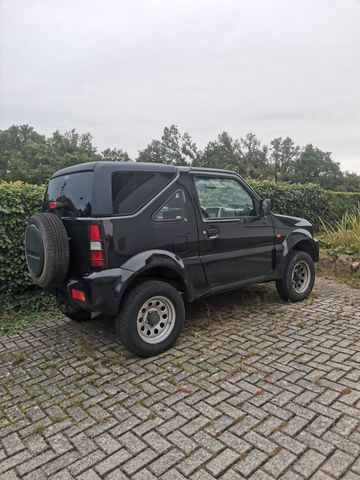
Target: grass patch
x,y
20,310
345,232
18,357
275,451
331,274
13,323
341,238
38,429
59,417
85,347
346,391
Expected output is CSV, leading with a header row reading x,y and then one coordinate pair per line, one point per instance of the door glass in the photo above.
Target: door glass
x,y
223,198
173,209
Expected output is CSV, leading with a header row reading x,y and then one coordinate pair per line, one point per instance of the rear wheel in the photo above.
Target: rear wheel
x,y
299,277
151,318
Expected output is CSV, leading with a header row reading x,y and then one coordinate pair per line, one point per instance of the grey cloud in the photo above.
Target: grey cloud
x,y
124,70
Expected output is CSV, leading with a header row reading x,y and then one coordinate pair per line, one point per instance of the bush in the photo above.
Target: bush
x,y
339,203
345,233
18,201
307,201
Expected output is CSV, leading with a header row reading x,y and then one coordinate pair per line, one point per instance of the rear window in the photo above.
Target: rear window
x,y
72,193
132,190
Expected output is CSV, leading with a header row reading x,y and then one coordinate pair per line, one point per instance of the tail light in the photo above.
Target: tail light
x,y
97,257
55,205
78,295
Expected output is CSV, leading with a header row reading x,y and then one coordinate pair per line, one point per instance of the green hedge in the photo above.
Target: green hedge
x,y
340,202
307,201
18,201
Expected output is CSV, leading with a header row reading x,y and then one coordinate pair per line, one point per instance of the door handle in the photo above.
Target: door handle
x,y
213,233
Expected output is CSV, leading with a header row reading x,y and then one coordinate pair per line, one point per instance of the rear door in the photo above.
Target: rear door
x,y
236,243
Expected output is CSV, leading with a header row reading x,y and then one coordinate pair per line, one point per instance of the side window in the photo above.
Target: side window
x,y
223,198
132,190
173,209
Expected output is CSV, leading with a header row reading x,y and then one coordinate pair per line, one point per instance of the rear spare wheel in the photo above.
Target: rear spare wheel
x,y
47,249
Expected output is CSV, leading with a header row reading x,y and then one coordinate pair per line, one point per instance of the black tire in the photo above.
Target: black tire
x,y
127,320
47,249
285,286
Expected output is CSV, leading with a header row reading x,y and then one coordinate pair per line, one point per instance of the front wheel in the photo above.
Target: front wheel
x,y
151,318
299,277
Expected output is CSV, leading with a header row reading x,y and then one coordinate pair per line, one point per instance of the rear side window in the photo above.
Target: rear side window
x,y
172,210
72,194
132,190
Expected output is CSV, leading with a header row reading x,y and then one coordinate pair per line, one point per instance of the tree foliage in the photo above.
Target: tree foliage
x,y
284,154
224,152
255,159
315,165
351,182
30,157
115,155
281,160
173,148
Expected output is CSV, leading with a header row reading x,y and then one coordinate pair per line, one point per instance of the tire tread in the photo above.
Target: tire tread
x,y
284,286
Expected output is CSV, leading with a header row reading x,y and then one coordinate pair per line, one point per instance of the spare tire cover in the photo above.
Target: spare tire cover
x,y
47,249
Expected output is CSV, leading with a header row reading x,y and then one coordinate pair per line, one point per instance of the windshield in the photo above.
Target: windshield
x,y
72,193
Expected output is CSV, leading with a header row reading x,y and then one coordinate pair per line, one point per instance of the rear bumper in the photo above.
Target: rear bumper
x,y
103,290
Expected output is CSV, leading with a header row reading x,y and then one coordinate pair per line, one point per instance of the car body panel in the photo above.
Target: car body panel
x,y
234,250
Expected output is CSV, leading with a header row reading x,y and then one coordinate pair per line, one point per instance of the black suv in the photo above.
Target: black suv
x,y
133,240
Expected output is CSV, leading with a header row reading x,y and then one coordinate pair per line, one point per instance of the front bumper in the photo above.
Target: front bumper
x,y
103,290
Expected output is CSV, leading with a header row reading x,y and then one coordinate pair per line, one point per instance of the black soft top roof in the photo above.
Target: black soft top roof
x,y
106,167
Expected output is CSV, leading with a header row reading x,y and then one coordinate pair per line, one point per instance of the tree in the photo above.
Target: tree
x,y
254,156
316,166
71,148
350,183
225,153
284,154
115,155
28,156
173,148
19,141
25,155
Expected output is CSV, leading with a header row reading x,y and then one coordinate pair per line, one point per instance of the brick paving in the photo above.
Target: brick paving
x,y
255,388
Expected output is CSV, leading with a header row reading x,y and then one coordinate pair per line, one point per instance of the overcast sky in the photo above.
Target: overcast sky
x,y
124,69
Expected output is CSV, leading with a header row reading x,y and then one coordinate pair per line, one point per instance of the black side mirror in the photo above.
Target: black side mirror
x,y
265,207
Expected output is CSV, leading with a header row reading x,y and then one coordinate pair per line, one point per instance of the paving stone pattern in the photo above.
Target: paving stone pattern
x,y
255,388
